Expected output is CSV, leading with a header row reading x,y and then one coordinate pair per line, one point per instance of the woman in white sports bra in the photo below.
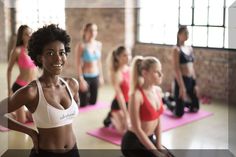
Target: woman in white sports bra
x,y
51,99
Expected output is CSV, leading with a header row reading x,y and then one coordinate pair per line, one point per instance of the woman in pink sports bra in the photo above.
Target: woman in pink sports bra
x,y
145,108
27,69
52,100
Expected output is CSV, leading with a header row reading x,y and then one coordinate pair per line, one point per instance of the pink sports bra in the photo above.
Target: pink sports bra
x,y
24,61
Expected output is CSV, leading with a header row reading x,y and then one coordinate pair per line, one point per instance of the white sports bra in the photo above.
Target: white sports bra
x,y
47,116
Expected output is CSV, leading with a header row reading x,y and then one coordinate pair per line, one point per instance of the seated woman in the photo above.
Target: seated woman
x,y
52,100
143,139
119,75
186,92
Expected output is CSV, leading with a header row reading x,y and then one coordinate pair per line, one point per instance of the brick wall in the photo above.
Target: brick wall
x,y
111,30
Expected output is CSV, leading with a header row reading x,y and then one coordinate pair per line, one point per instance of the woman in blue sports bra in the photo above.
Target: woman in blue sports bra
x,y
186,92
89,65
52,100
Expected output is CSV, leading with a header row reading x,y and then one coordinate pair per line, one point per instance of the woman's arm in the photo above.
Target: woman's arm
x,y
158,135
26,95
178,73
79,52
101,78
12,60
119,96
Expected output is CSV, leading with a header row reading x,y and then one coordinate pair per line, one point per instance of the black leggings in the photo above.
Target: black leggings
x,y
115,105
132,147
89,96
193,106
45,153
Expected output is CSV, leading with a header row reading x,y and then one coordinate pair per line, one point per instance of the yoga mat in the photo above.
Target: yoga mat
x,y
98,105
109,134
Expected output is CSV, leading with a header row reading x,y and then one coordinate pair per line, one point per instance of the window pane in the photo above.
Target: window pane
x,y
200,36
216,16
157,34
200,3
190,36
231,20
232,38
145,33
185,16
200,16
186,3
144,16
216,3
215,38
226,44
170,37
229,2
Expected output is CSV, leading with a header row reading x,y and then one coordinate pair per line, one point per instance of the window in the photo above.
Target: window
x,y
207,21
37,13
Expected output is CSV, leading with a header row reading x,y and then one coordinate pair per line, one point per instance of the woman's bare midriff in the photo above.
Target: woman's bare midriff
x,y
148,127
60,139
90,67
27,75
187,69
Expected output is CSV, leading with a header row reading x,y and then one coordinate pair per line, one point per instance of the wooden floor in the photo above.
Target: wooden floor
x,y
208,133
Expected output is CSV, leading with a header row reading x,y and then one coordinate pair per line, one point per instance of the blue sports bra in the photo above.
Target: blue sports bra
x,y
184,58
91,56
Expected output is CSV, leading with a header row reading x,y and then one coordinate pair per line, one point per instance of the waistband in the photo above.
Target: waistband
x,y
90,75
21,82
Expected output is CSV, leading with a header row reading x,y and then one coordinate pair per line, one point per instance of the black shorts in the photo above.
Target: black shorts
x,y
45,153
15,87
115,105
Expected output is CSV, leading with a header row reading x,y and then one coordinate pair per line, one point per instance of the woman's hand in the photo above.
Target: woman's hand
x,y
35,138
83,85
182,93
101,81
196,91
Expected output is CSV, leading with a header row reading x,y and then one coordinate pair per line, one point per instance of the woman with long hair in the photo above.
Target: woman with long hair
x,y
27,69
89,65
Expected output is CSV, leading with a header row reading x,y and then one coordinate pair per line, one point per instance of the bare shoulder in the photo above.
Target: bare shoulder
x,y
73,84
158,89
175,49
137,96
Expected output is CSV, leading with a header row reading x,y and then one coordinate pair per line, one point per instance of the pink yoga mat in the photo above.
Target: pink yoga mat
x,y
98,105
168,122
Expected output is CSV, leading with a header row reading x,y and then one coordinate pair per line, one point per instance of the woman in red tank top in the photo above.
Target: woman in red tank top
x,y
145,109
119,75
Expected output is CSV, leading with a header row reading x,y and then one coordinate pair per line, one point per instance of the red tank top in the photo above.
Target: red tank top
x,y
125,84
147,112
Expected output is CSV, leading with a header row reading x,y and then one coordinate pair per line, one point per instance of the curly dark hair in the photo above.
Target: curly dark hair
x,y
44,36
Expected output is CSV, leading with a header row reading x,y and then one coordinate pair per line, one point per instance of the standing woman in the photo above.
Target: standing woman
x,y
27,69
120,79
89,65
186,91
52,100
145,109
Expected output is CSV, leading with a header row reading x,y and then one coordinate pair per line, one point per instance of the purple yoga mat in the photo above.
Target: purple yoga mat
x,y
168,122
98,105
